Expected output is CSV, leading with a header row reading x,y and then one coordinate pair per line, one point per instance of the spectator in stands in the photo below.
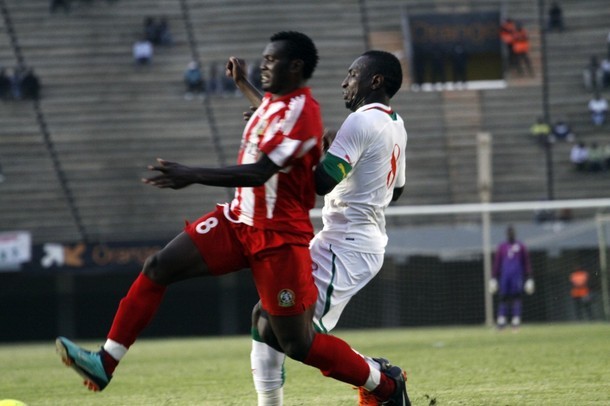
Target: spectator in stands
x,y
556,17
459,61
18,74
194,81
507,32
605,68
437,63
596,161
592,74
219,83
55,4
158,32
142,52
598,107
511,277
521,49
579,156
419,70
541,131
30,85
562,131
150,29
5,85
228,86
163,35
581,293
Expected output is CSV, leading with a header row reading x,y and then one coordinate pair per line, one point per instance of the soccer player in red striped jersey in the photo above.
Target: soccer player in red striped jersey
x,y
361,173
266,229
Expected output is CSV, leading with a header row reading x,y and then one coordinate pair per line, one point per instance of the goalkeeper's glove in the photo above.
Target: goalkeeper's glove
x,y
529,286
493,285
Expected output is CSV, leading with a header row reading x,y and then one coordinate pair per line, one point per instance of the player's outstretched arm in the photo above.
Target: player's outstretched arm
x,y
328,137
236,69
177,176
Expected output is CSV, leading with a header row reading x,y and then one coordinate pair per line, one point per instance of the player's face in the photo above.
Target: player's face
x,y
357,84
275,69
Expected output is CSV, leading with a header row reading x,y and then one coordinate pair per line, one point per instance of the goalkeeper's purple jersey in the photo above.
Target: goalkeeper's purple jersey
x,y
511,267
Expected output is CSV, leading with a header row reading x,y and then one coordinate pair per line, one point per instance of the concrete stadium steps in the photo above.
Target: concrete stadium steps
x,y
427,164
7,57
579,41
568,53
232,27
518,162
108,120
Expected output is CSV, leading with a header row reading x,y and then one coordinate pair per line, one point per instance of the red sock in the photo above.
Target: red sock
x,y
386,388
336,359
109,363
136,310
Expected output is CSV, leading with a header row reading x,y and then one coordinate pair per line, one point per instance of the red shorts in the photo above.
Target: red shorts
x,y
280,262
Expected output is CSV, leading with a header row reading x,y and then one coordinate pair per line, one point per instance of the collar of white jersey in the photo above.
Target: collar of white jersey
x,y
376,106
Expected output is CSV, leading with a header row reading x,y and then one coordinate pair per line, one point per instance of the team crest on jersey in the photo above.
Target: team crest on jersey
x,y
285,298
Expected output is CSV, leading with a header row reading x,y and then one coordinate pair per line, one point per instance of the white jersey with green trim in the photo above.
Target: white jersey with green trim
x,y
373,141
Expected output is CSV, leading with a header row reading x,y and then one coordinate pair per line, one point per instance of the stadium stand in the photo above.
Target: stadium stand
x,y
108,120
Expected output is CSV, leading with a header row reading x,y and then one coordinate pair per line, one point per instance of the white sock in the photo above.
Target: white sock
x,y
374,378
116,350
267,373
274,397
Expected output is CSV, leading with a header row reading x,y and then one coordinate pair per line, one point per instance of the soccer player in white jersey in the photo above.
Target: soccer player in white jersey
x,y
362,172
266,229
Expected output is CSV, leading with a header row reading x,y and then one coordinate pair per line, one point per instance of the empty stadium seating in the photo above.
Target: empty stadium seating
x,y
107,120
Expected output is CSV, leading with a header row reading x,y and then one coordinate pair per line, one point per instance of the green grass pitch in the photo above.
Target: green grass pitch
x,y
551,364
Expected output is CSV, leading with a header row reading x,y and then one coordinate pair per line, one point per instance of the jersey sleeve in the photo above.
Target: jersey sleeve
x,y
335,167
349,144
292,133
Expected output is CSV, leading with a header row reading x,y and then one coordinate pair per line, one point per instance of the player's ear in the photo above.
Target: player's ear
x,y
296,65
377,81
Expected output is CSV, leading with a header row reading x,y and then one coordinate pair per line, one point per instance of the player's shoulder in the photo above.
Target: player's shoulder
x,y
365,118
355,126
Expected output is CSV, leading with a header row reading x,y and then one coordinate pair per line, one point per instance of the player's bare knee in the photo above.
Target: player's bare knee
x,y
256,314
297,345
297,349
154,270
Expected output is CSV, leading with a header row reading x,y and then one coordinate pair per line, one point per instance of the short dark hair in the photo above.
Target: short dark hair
x,y
300,46
388,65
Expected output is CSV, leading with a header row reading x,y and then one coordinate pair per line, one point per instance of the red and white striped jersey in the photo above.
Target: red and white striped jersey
x,y
289,131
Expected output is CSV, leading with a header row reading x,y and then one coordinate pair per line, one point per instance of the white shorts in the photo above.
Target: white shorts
x,y
339,274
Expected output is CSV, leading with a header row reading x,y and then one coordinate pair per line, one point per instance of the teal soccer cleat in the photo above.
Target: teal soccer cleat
x,y
87,364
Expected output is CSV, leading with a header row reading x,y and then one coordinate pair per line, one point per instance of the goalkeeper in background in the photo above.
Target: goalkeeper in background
x,y
511,276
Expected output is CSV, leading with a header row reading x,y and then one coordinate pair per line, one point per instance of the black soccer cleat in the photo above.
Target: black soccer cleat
x,y
398,375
